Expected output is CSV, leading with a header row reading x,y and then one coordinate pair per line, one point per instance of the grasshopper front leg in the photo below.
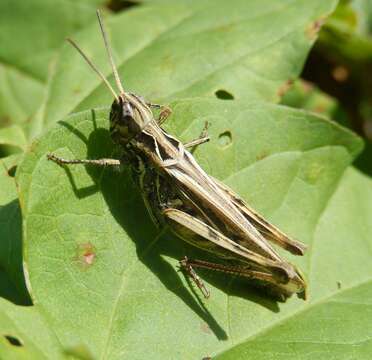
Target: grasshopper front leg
x,y
165,112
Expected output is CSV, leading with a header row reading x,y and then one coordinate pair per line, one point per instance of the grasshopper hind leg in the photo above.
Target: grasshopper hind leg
x,y
261,279
246,264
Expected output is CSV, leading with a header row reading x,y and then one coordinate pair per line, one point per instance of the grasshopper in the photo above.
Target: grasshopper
x,y
198,208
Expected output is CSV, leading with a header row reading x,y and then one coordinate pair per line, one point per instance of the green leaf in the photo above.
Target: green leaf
x,y
25,334
171,50
335,324
13,136
31,34
91,247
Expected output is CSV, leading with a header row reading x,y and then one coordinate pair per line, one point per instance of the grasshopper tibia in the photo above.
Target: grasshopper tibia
x,y
97,162
185,265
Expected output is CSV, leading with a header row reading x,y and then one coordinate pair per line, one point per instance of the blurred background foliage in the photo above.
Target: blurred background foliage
x,y
337,78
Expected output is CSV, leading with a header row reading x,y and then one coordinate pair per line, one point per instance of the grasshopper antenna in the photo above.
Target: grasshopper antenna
x,y
95,69
109,53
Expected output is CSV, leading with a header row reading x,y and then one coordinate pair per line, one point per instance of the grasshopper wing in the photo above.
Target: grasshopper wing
x,y
268,231
260,268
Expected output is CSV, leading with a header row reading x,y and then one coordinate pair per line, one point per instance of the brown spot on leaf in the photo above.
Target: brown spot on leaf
x,y
89,257
313,29
285,87
85,255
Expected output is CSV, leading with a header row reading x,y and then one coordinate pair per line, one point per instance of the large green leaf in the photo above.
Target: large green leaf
x,y
92,249
168,49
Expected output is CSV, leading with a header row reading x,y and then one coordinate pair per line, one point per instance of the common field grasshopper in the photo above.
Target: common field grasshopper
x,y
198,208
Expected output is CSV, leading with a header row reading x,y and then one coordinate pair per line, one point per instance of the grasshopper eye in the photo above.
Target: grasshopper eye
x,y
127,111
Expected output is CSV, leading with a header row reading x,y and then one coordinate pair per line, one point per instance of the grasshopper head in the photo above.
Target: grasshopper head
x,y
129,115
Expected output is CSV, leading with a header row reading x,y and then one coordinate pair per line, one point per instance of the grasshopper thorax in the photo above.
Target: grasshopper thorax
x,y
128,117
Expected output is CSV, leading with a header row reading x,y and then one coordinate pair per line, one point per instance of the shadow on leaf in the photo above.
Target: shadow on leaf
x,y
12,281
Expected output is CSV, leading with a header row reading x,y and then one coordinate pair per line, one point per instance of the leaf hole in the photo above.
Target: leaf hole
x,y
120,5
224,95
225,138
12,171
13,340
